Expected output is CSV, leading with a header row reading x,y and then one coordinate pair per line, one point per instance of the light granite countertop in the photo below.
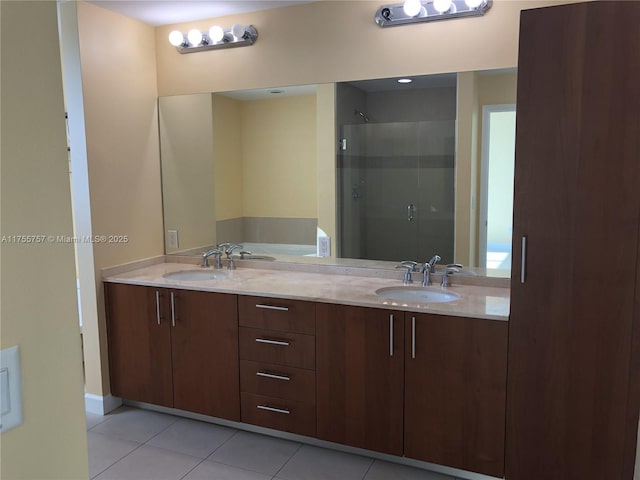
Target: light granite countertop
x,y
485,302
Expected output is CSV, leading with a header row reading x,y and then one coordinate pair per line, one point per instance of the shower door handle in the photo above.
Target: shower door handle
x,y
411,210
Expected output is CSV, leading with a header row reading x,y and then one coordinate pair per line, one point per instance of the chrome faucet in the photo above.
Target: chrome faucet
x,y
217,258
426,274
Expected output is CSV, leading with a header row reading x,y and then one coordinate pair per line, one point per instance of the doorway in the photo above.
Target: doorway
x,y
496,190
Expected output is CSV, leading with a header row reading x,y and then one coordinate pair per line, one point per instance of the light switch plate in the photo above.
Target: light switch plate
x,y
10,389
324,246
172,238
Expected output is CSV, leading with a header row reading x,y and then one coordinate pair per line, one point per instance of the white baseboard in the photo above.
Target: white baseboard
x,y
101,405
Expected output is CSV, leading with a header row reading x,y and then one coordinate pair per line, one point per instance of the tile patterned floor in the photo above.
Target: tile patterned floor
x,y
134,444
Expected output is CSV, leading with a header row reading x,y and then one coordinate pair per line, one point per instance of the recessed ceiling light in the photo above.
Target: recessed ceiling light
x,y
404,80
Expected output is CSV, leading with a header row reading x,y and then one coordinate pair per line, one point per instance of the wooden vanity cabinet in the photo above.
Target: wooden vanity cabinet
x,y
455,391
360,376
574,330
175,348
139,344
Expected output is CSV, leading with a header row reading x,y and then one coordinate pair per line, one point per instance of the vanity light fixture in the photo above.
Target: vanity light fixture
x,y
216,37
404,80
415,11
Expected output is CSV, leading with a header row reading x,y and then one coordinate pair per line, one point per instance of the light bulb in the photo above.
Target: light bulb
x,y
176,38
442,5
473,3
238,31
412,7
195,37
216,34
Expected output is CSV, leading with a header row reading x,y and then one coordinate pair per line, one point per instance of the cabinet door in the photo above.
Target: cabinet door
x,y
572,407
455,391
360,365
139,340
205,353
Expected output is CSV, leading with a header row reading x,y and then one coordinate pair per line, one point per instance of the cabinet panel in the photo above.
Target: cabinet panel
x,y
455,391
277,314
139,344
205,354
571,405
360,366
280,348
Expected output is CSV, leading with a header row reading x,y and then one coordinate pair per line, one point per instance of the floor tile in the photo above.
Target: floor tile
x,y
255,452
391,471
134,424
105,451
94,419
209,470
313,463
191,437
150,463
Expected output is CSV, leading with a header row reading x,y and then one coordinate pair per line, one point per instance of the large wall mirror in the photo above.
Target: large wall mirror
x,y
242,167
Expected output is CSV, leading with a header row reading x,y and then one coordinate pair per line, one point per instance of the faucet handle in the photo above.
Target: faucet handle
x,y
446,282
407,274
243,253
231,248
411,263
207,254
459,266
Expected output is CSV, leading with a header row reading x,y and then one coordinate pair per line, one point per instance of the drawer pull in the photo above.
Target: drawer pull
x,y
158,306
272,307
413,337
391,335
272,409
271,375
272,342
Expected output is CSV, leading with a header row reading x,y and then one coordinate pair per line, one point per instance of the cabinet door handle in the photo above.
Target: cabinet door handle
x,y
158,306
523,260
272,342
273,409
173,309
273,375
272,307
391,335
413,337
410,211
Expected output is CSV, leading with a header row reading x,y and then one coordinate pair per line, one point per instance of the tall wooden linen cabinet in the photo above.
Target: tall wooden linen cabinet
x,y
574,334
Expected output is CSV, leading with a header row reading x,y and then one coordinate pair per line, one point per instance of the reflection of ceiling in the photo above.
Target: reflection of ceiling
x,y
276,92
166,12
419,81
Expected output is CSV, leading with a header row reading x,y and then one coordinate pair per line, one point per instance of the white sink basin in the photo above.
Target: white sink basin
x,y
417,294
191,275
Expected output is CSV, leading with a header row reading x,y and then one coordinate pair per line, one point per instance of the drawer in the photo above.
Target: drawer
x,y
279,348
278,381
284,415
277,314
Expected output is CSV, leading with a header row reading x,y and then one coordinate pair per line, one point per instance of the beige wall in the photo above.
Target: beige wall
x,y
119,82
39,309
331,41
227,146
279,157
186,133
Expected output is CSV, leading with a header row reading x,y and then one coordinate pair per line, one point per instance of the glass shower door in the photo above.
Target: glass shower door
x,y
396,191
